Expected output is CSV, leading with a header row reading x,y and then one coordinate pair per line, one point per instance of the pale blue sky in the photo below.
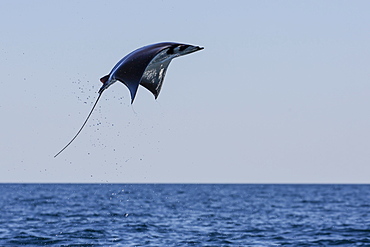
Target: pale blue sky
x,y
280,94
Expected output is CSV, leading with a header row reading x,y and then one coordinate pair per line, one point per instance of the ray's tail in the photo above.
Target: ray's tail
x,y
83,125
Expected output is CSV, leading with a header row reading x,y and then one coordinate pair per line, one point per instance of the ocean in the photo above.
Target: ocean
x,y
184,215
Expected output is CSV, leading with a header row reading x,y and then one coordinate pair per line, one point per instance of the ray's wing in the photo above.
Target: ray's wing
x,y
153,77
131,68
155,72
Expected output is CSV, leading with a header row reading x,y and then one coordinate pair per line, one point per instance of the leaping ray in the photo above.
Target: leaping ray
x,y
145,66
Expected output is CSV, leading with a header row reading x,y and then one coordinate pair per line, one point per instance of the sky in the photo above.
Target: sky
x,y
280,94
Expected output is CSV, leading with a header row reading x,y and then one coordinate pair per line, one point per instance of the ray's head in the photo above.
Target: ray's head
x,y
182,49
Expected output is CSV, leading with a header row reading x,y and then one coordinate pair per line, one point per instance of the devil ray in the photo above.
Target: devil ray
x,y
145,66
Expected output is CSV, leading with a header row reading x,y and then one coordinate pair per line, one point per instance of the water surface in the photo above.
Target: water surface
x,y
184,215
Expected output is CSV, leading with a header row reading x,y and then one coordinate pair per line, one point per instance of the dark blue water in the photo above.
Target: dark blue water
x,y
184,215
